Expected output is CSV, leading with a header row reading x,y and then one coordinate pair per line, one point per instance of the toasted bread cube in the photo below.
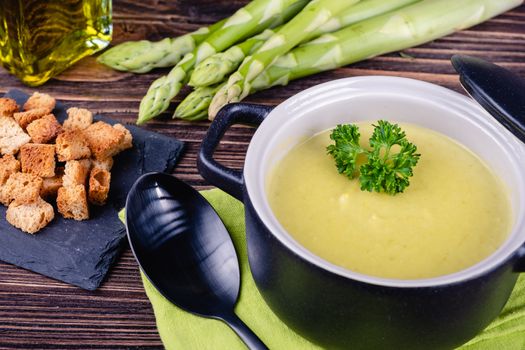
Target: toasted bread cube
x,y
12,137
72,145
127,141
40,101
99,180
25,118
50,185
104,140
30,217
45,129
75,173
8,107
86,163
8,165
21,188
78,119
72,202
104,163
38,159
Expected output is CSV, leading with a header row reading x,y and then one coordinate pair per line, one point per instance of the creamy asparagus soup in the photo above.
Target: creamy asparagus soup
x,y
454,213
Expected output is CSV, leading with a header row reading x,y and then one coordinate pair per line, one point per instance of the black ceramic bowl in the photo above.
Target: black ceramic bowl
x,y
338,308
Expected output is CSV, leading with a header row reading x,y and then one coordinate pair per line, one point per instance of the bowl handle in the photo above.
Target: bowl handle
x,y
227,179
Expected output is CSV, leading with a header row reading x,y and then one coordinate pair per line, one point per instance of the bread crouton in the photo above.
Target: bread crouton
x,y
25,118
12,137
21,188
8,107
75,173
71,145
127,141
38,159
99,180
104,140
50,185
45,129
78,119
30,217
104,163
72,202
8,165
86,163
40,101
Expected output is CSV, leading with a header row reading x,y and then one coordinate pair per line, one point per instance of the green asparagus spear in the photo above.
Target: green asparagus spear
x,y
216,68
406,27
398,30
314,15
362,10
249,20
195,106
143,55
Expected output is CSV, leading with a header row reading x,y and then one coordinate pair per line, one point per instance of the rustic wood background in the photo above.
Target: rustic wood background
x,y
37,312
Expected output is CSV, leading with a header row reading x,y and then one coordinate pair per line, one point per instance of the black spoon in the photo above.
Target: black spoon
x,y
185,251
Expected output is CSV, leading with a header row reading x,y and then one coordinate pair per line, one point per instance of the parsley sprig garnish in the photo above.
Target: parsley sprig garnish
x,y
390,159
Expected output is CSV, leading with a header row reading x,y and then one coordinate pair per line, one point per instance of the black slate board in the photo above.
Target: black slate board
x,y
81,252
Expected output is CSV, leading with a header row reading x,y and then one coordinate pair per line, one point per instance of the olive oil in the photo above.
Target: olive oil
x,y
41,38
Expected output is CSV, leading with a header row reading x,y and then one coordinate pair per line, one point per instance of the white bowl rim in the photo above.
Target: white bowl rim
x,y
257,195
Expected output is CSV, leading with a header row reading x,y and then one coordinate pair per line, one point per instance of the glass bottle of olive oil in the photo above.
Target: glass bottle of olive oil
x,y
41,38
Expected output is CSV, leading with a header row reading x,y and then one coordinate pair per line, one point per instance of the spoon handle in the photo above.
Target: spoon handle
x,y
249,338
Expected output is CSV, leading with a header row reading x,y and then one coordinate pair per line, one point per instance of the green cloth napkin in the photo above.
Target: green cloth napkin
x,y
181,330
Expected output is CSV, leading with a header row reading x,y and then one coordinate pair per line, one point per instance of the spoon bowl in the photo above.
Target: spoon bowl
x,y
184,250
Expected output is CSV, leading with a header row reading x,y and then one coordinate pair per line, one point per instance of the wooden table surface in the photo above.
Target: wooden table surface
x,y
37,312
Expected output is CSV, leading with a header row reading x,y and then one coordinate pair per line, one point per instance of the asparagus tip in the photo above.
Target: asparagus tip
x,y
211,71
